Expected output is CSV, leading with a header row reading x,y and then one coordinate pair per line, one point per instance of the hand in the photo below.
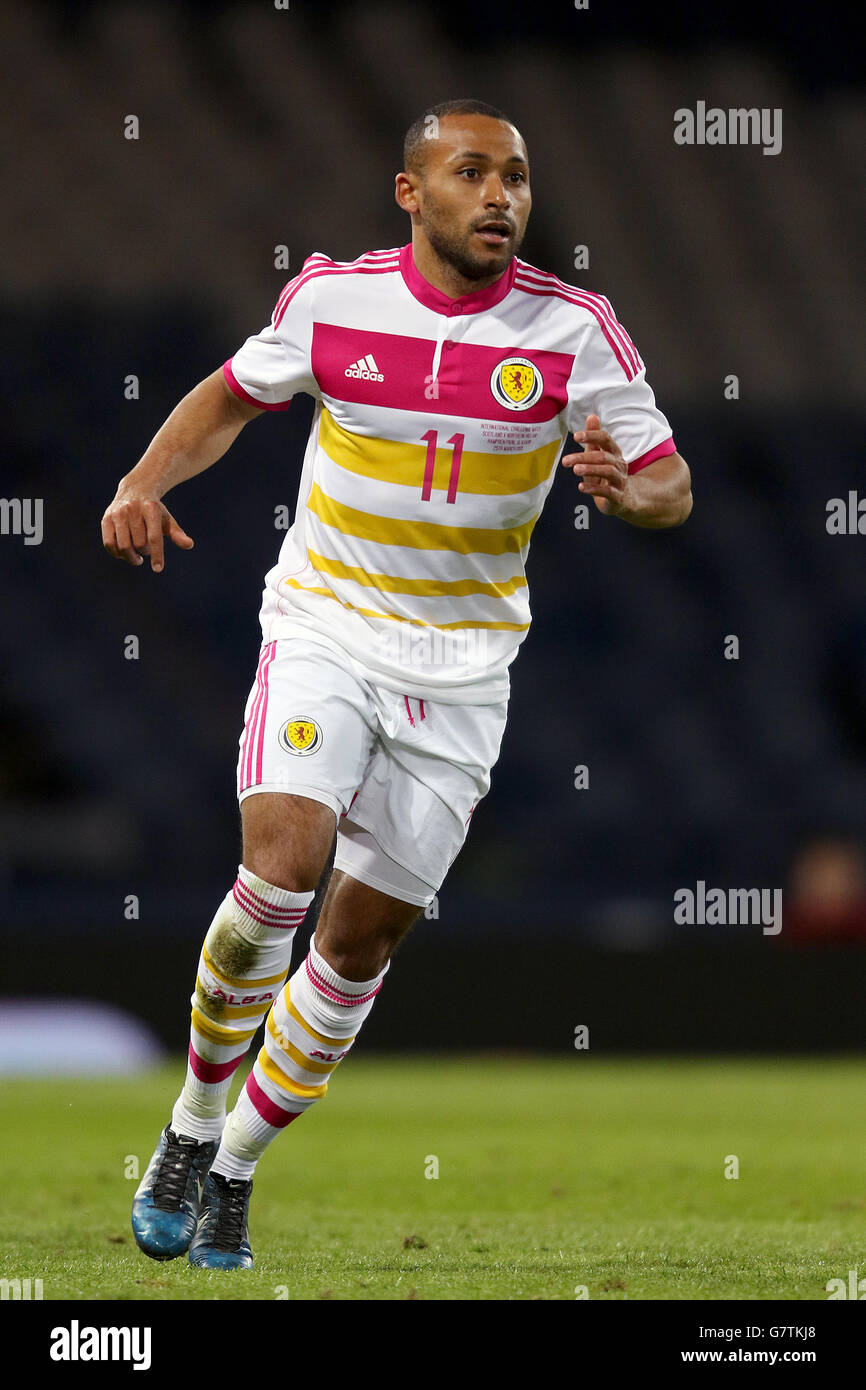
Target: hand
x,y
602,468
135,526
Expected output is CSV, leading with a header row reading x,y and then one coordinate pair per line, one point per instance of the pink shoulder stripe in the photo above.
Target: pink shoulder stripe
x,y
314,260
596,303
617,349
612,320
620,326
314,274
319,264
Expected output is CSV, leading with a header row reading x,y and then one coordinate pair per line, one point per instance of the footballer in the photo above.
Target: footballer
x,y
446,374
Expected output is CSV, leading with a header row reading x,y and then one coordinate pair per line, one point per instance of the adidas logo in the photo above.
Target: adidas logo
x,y
365,368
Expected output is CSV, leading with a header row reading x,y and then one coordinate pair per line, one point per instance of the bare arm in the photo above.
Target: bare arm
x,y
657,496
197,432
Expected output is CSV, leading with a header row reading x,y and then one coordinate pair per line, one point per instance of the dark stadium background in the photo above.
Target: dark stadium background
x,y
262,127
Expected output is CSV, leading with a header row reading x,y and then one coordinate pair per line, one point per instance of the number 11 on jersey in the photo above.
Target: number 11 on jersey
x,y
430,463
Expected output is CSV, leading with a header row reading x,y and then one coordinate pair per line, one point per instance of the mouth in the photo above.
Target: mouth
x,y
494,233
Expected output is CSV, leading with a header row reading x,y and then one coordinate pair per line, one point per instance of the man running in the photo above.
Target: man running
x,y
447,375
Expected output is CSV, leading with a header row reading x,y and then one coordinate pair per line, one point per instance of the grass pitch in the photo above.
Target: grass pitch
x,y
554,1176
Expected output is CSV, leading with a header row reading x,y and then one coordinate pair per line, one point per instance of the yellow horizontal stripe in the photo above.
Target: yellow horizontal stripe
x,y
222,1006
321,1068
225,1037
320,1037
397,617
232,980
391,461
427,588
279,1078
418,535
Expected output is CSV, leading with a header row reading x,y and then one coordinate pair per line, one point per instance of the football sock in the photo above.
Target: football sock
x,y
310,1028
243,965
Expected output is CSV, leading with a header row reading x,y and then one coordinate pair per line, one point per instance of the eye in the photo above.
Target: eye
x,y
521,178
469,170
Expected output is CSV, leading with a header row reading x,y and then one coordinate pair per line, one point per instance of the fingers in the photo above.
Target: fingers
x,y
596,444
593,461
598,470
138,530
117,540
154,526
601,475
600,466
133,529
177,534
594,434
612,488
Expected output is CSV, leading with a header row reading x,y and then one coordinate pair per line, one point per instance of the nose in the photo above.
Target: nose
x,y
495,192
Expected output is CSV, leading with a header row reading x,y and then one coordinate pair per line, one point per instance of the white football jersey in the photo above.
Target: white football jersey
x,y
437,430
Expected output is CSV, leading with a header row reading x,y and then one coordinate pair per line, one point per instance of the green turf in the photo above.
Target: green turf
x,y
553,1174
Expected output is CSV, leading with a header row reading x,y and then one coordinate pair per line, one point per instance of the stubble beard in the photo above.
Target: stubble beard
x,y
455,251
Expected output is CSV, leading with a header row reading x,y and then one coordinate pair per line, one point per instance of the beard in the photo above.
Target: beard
x,y
455,248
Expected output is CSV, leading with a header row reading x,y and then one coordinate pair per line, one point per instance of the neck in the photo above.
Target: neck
x,y
441,274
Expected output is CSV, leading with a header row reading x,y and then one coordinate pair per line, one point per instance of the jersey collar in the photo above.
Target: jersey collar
x,y
442,303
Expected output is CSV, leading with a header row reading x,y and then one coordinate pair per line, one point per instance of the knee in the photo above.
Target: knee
x,y
277,864
287,840
355,960
357,934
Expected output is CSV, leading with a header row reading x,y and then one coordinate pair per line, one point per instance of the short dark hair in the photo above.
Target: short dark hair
x,y
417,137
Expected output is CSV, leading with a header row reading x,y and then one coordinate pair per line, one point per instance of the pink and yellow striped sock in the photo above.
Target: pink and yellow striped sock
x,y
243,965
309,1030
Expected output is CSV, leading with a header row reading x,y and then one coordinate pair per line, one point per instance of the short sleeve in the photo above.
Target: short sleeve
x,y
273,366
609,380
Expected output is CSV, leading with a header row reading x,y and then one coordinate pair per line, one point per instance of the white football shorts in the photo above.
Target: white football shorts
x,y
401,775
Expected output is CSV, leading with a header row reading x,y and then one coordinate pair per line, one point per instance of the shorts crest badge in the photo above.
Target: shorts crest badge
x,y
301,735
